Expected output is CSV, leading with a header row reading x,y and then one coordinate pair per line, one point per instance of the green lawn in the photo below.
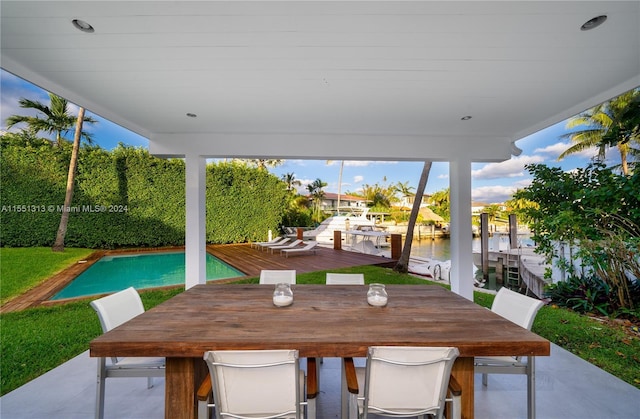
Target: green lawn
x,y
22,268
37,340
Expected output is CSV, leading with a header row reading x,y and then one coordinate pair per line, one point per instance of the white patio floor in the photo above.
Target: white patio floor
x,y
567,387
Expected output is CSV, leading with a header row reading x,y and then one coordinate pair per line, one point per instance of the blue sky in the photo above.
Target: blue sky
x,y
492,183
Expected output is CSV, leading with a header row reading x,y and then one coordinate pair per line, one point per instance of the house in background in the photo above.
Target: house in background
x,y
347,203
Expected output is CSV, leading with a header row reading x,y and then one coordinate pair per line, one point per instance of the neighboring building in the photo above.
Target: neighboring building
x,y
330,202
407,201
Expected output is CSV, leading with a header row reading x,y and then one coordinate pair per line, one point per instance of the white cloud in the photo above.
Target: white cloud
x,y
554,150
443,176
358,179
493,194
511,168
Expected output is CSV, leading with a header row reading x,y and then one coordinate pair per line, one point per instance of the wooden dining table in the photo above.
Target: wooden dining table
x,y
323,321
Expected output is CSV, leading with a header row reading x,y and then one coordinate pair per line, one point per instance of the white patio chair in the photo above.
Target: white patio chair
x,y
113,310
344,279
276,276
402,381
522,311
258,384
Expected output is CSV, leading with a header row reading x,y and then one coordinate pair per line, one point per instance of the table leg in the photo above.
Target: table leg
x,y
463,371
180,389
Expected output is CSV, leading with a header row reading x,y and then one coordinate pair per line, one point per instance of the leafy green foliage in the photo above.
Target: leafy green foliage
x,y
242,203
582,294
126,198
597,212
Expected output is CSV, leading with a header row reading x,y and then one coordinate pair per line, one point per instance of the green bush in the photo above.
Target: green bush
x,y
127,198
243,203
582,294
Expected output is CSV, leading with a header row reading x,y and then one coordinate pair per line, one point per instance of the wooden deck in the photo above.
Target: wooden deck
x,y
252,261
240,256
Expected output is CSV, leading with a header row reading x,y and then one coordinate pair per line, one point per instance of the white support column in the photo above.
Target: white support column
x,y
461,236
195,237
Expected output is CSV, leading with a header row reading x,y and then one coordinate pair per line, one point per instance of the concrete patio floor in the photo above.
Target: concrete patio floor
x,y
567,387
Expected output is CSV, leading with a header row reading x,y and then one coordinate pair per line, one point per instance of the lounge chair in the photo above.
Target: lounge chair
x,y
273,241
309,247
280,243
285,246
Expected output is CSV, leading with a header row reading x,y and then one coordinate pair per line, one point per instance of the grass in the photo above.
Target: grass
x,y
22,268
37,340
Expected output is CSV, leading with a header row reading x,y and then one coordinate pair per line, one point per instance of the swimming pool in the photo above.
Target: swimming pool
x,y
115,273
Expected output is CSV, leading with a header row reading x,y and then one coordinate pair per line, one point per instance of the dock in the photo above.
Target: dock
x,y
532,268
518,268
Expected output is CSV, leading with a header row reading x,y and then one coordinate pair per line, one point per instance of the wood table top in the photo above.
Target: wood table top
x,y
329,321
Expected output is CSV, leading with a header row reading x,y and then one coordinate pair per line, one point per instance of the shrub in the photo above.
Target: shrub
x,y
127,198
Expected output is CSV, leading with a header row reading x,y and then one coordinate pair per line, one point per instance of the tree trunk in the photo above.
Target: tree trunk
x,y
402,265
58,246
623,163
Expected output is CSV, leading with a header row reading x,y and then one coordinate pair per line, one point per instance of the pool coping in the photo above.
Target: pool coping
x,y
39,295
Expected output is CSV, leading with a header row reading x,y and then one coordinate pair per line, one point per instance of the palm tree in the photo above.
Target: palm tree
x,y
602,122
316,192
58,245
56,119
291,181
519,206
404,189
378,196
403,263
441,202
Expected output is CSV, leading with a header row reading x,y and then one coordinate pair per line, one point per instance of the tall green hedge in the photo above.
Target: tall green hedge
x,y
127,198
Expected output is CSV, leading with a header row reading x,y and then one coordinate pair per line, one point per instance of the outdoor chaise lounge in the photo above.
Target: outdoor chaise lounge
x,y
273,241
309,247
268,245
285,246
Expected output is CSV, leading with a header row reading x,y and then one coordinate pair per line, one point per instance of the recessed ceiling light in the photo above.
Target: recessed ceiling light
x,y
466,118
593,23
82,25
191,115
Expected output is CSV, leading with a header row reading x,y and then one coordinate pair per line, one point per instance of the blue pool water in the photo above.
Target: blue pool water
x,y
115,273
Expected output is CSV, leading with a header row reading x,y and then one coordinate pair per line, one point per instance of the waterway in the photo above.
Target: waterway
x,y
440,248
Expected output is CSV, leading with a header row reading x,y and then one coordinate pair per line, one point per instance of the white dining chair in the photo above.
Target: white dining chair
x,y
258,384
402,381
344,279
276,276
113,310
522,311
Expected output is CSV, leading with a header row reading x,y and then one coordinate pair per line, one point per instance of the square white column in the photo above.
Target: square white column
x,y
195,231
461,233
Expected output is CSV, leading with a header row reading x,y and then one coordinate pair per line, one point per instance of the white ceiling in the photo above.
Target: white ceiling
x,y
349,79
